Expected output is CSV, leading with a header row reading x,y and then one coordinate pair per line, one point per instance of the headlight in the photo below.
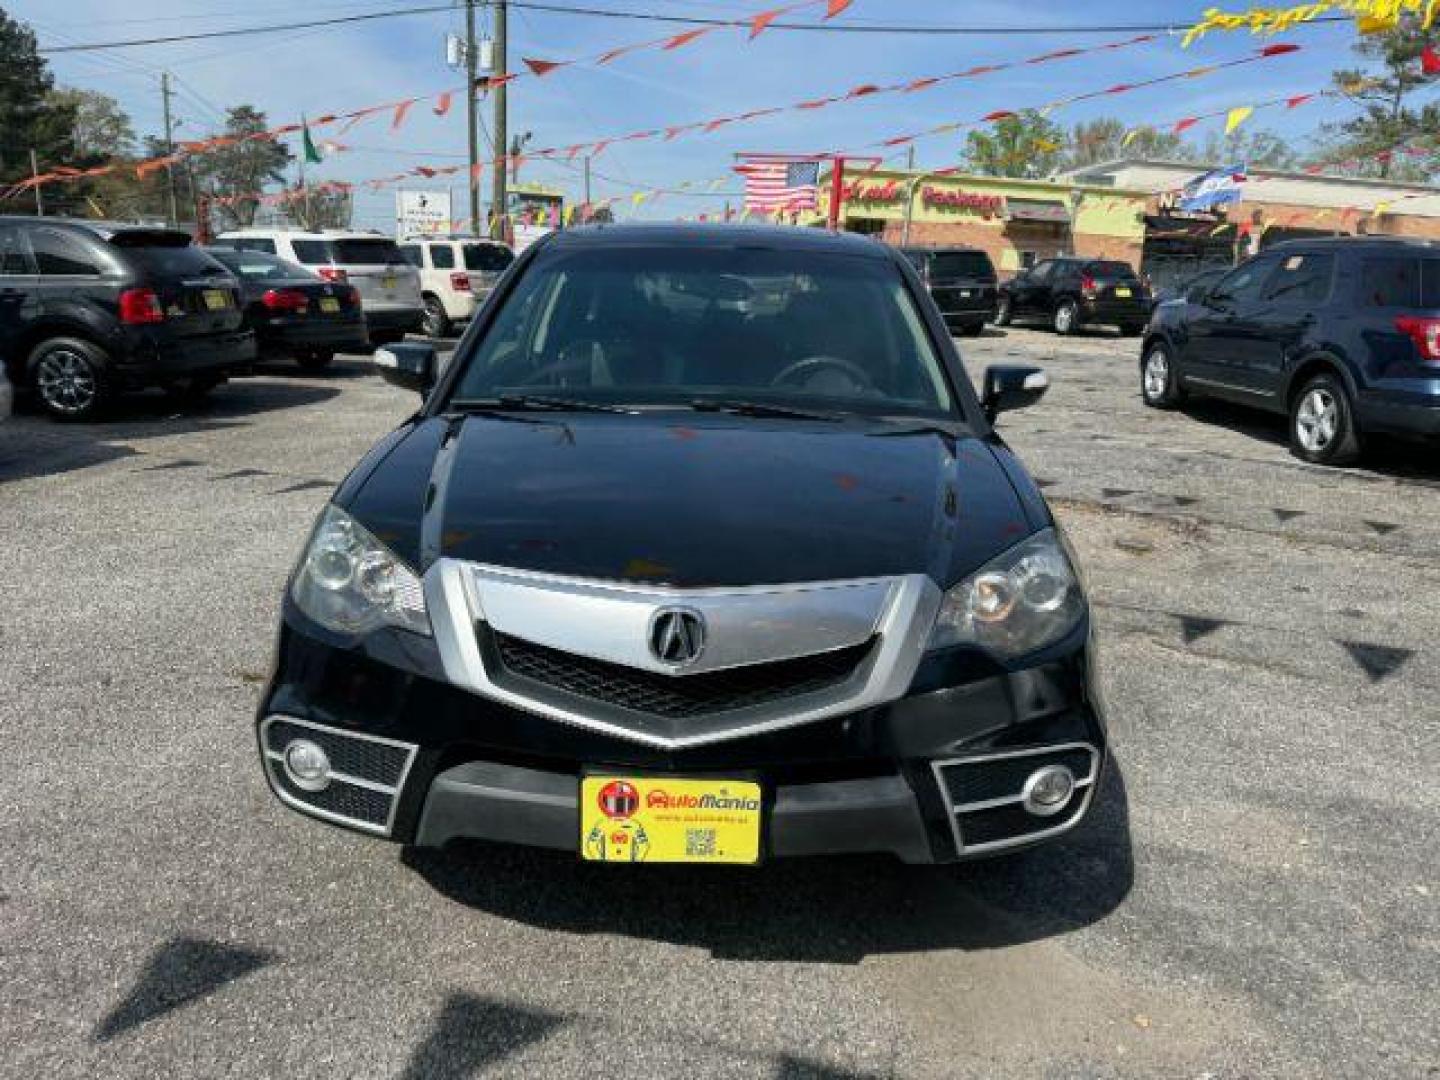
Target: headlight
x,y
350,582
1024,600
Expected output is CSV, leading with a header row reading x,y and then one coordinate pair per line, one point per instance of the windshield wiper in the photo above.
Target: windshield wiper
x,y
761,408
534,403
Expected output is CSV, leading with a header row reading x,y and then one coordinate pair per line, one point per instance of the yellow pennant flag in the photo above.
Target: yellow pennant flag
x,y
1046,146
570,215
637,198
1235,117
1130,137
1381,208
717,184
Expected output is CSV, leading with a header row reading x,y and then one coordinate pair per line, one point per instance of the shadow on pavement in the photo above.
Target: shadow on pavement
x,y
34,445
823,910
180,971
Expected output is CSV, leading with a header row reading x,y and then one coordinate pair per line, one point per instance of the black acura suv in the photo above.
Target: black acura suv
x,y
701,549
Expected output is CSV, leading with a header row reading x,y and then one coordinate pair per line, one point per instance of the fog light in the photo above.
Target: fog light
x,y
307,766
1048,790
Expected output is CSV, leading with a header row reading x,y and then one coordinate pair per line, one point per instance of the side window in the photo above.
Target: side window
x,y
1390,282
14,256
60,255
1301,279
1245,282
1043,271
311,252
442,256
412,254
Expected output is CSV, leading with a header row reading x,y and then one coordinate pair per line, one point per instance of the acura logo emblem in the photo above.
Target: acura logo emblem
x,y
677,636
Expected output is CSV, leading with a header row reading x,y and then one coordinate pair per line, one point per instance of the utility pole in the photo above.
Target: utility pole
x,y
910,159
169,144
587,182
470,114
39,199
500,133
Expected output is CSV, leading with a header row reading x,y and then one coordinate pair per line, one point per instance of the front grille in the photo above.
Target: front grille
x,y
677,696
380,762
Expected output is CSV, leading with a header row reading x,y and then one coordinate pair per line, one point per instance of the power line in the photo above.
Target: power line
x,y
646,16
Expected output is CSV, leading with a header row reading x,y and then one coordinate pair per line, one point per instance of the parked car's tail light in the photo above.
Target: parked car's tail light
x,y
138,306
351,583
352,296
1424,332
460,282
1021,601
1087,286
333,274
285,300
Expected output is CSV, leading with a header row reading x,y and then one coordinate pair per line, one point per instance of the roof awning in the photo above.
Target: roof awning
x,y
1037,210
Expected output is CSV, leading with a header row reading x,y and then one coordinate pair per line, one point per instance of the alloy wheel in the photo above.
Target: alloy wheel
x,y
1157,374
1317,419
435,321
66,382
1065,318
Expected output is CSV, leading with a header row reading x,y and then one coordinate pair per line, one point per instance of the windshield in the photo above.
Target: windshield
x,y
487,257
671,325
961,264
377,252
257,266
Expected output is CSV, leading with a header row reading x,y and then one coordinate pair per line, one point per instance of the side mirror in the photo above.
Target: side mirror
x,y
1011,386
408,365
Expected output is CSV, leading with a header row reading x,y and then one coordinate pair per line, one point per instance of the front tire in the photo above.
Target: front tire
x,y
436,323
1159,381
1003,312
1067,318
69,377
1322,423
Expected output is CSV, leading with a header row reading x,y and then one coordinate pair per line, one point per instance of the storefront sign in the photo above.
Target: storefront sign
x,y
987,206
891,191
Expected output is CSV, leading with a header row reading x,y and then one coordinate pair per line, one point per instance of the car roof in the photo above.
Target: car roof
x,y
687,234
105,230
945,249
1378,242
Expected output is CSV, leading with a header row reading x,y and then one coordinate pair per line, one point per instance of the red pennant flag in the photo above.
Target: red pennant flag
x,y
401,111
998,114
983,69
920,84
605,58
671,132
862,91
835,7
442,104
542,67
715,125
899,140
818,103
1297,101
1280,49
1119,88
761,21
600,147
477,170
1062,54
1188,122
421,170
1430,61
684,39
1384,156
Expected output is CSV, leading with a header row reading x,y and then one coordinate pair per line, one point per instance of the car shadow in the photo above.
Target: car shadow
x,y
31,444
819,910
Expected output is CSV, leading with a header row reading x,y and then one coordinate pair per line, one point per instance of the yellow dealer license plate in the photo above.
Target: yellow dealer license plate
x,y
1122,292
217,299
662,819
389,281
329,305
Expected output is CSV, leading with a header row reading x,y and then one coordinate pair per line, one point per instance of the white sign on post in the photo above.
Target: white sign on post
x,y
421,212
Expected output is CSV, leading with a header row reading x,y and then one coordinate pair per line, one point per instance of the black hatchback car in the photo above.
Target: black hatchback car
x,y
702,549
88,309
293,312
1071,294
1342,336
962,282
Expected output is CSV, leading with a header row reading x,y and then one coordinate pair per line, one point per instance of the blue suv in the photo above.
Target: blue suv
x,y
1342,336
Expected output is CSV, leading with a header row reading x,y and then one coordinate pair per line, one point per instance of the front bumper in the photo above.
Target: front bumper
x,y
446,764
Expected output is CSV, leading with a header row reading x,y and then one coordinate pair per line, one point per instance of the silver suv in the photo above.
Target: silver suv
x,y
389,287
457,274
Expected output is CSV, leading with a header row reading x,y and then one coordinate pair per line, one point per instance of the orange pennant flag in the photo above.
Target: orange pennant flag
x,y
684,39
442,104
835,7
542,67
761,21
477,170
401,111
998,114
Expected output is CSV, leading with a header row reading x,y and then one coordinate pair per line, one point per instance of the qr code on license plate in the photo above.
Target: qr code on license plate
x,y
700,843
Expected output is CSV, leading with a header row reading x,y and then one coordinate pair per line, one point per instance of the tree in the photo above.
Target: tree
x,y
1105,140
312,209
27,119
1389,115
1024,144
100,129
1259,149
242,170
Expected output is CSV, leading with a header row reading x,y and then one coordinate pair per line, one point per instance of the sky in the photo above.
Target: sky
x,y
334,69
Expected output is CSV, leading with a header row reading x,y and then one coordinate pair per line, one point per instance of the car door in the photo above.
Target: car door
x,y
1029,292
1293,292
17,296
1222,327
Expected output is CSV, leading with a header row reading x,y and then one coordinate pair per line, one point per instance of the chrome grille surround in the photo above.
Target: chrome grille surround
x,y
610,620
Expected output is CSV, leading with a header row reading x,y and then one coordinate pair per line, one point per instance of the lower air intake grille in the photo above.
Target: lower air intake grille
x,y
382,763
677,696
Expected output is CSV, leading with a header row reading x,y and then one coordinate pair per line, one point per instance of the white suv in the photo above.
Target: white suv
x,y
457,274
388,285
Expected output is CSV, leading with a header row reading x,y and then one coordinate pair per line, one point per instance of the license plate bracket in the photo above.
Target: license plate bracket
x,y
655,819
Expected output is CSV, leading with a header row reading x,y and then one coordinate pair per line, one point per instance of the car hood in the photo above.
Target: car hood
x,y
713,500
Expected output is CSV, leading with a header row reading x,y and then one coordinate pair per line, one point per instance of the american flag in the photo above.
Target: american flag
x,y
780,184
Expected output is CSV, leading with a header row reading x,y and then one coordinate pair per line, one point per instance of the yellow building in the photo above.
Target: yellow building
x,y
1016,221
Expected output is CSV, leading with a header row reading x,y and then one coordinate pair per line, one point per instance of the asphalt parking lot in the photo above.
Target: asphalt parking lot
x,y
1256,894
